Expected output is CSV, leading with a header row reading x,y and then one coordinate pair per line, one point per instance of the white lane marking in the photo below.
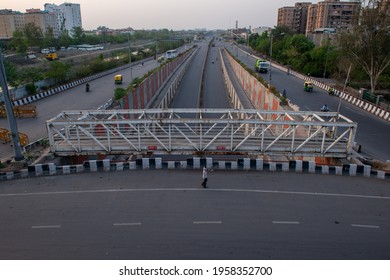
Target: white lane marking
x,y
365,226
286,222
46,227
126,224
197,190
207,222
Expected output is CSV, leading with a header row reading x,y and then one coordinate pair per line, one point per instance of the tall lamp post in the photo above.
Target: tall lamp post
x,y
11,118
131,70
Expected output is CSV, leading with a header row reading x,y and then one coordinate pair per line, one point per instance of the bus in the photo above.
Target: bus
x,y
171,54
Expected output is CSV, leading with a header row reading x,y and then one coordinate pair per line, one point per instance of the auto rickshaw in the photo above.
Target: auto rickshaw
x,y
118,79
308,86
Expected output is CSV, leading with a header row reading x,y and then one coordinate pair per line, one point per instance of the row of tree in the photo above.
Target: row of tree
x,y
365,46
32,36
59,71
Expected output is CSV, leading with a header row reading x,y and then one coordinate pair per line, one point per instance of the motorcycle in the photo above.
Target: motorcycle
x,y
325,108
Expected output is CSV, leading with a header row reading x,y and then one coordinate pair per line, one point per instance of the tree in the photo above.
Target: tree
x,y
33,33
58,71
368,42
19,42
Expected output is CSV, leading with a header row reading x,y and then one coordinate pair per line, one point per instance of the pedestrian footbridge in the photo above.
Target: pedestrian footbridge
x,y
201,131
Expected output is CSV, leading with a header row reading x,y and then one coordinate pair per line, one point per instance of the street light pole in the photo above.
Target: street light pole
x,y
11,118
345,85
131,70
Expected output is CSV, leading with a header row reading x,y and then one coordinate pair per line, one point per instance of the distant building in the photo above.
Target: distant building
x,y
321,20
286,17
59,18
261,30
68,16
42,19
10,21
336,14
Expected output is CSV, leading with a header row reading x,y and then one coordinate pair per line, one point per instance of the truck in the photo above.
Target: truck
x,y
262,66
51,56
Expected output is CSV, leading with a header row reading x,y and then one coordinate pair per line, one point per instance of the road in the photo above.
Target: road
x,y
373,133
73,99
168,215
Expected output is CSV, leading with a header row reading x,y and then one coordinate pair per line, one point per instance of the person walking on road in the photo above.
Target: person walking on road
x,y
204,176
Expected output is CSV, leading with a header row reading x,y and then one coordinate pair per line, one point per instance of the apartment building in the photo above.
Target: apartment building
x,y
286,17
336,14
68,16
57,17
9,22
295,17
43,19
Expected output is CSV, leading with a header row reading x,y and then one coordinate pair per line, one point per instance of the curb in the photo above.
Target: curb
x,y
245,164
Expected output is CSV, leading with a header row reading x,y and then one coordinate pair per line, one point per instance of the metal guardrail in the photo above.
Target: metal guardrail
x,y
201,131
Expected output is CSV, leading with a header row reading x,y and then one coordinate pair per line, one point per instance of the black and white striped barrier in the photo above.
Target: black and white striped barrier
x,y
246,164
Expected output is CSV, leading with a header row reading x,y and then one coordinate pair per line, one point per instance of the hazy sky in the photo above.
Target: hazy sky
x,y
171,14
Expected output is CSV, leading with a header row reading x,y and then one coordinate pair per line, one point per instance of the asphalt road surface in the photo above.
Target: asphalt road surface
x,y
168,215
373,133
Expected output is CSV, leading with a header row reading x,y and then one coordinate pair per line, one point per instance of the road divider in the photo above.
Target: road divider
x,y
196,163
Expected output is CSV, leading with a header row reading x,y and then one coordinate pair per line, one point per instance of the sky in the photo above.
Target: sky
x,y
170,14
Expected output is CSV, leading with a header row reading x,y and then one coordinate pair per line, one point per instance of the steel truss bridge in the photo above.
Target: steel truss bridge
x,y
201,131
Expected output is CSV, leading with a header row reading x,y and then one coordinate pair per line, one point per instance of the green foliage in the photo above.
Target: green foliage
x,y
58,71
19,42
12,73
119,93
31,89
33,34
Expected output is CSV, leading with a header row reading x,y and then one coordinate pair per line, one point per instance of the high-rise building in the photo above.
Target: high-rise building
x,y
294,17
336,14
41,19
68,16
286,17
10,21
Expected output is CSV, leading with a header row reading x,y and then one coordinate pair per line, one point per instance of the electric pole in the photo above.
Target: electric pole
x,y
10,114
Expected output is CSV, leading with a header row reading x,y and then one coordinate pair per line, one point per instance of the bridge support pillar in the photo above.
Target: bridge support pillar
x,y
234,165
222,165
93,166
285,167
183,164
325,169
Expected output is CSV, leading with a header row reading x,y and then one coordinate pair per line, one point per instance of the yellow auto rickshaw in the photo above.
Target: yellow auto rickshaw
x,y
118,79
308,86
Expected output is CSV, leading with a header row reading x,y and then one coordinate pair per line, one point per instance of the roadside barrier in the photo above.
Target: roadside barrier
x,y
245,164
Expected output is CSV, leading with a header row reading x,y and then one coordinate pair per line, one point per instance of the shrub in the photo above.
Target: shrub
x,y
31,88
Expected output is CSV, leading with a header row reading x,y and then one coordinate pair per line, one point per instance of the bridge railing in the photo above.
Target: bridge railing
x,y
201,131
